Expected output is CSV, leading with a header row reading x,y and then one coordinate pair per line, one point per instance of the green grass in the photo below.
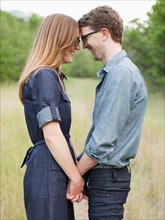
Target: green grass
x,y
146,199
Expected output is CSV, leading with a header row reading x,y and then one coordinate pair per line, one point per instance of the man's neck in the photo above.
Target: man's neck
x,y
110,51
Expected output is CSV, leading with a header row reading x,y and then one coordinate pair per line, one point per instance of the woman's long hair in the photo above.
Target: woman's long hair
x,y
56,33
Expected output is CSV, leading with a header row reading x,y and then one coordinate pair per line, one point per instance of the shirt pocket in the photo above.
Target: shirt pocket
x,y
65,97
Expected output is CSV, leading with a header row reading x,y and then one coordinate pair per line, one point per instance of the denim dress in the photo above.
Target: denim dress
x,y
45,183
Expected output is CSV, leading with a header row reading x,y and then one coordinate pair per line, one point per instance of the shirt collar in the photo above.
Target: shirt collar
x,y
111,63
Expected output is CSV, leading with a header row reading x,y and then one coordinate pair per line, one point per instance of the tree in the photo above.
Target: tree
x,y
145,41
16,40
156,41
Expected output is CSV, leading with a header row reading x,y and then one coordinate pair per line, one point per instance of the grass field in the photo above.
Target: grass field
x,y
146,199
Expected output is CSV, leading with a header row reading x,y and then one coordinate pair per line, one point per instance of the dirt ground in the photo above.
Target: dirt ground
x,y
81,210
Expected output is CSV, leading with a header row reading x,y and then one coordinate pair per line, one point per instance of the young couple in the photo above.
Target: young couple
x,y
54,177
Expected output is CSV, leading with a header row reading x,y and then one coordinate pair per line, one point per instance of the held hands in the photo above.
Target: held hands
x,y
75,190
77,198
75,186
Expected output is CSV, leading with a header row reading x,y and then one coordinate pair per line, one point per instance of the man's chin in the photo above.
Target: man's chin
x,y
96,58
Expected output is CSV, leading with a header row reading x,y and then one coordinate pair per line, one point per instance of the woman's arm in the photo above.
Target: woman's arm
x,y
60,151
74,150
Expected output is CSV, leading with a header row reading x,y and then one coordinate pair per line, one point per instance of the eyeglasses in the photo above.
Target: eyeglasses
x,y
77,42
84,38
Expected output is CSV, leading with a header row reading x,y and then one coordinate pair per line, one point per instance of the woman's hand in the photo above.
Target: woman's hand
x,y
75,187
77,198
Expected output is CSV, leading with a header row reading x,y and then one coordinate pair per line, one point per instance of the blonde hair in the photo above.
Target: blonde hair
x,y
56,33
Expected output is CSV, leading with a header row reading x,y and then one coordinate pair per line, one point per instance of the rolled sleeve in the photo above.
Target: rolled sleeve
x,y
98,147
47,115
46,97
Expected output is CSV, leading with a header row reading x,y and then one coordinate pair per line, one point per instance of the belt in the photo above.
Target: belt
x,y
111,167
30,150
103,166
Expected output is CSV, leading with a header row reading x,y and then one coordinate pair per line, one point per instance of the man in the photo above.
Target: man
x,y
120,104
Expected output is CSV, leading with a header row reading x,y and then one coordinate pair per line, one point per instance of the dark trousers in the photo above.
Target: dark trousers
x,y
107,189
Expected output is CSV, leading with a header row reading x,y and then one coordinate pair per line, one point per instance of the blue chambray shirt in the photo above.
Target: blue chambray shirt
x,y
120,104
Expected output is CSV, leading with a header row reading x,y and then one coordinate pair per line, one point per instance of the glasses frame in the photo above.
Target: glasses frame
x,y
84,38
77,42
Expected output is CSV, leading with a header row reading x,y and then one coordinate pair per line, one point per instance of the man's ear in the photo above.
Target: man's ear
x,y
105,33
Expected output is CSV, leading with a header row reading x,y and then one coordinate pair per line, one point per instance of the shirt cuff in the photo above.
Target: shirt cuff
x,y
92,155
45,115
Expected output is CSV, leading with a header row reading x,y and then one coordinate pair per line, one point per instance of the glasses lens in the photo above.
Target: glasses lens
x,y
84,38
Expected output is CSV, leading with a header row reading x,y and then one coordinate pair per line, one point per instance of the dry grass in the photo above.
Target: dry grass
x,y
146,199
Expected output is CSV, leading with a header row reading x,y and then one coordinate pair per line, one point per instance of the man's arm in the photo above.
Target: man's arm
x,y
85,164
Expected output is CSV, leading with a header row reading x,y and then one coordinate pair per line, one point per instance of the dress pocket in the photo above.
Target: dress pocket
x,y
59,181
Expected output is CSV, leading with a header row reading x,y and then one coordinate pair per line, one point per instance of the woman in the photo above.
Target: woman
x,y
51,161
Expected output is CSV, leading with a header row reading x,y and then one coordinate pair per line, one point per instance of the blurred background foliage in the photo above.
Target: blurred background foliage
x,y
143,41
